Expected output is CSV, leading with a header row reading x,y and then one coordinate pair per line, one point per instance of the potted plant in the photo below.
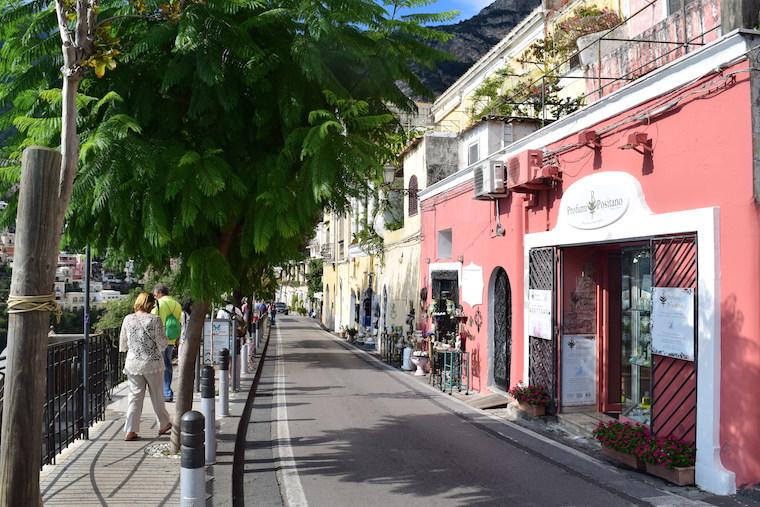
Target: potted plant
x,y
531,399
672,460
351,331
624,442
342,331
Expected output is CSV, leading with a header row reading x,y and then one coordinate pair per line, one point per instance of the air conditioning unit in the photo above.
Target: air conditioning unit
x,y
489,180
523,168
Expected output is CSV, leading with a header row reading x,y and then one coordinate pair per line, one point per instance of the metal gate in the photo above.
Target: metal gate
x,y
502,329
674,394
542,358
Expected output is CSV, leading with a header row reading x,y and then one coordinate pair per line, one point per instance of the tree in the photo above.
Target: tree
x,y
314,277
226,129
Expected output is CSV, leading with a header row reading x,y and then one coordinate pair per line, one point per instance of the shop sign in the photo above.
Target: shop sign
x,y
673,322
578,370
472,284
540,313
593,205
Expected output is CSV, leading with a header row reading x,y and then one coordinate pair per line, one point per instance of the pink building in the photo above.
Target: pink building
x,y
620,267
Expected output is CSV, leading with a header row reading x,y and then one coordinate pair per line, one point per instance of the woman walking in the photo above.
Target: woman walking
x,y
144,340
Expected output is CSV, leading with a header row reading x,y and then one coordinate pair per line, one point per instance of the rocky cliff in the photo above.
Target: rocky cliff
x,y
473,37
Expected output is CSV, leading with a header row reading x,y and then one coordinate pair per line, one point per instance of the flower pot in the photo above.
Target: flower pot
x,y
681,476
622,458
533,410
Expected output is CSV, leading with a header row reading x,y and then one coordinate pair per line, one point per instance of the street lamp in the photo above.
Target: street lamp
x,y
389,174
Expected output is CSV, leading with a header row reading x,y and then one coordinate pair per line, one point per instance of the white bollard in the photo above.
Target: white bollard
x,y
244,357
224,383
209,412
192,475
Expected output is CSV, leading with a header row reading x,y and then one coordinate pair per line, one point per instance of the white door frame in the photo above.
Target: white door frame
x,y
639,222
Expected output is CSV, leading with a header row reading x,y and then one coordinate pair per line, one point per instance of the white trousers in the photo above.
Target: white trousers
x,y
137,385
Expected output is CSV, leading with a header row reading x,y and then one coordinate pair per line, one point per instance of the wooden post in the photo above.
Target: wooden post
x,y
34,262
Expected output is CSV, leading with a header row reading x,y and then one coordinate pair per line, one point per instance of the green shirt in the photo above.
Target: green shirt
x,y
167,305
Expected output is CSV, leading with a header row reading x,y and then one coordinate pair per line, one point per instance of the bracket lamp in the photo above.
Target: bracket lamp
x,y
590,138
389,174
640,142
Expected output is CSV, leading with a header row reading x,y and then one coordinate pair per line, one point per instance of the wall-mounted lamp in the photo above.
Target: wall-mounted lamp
x,y
590,138
460,258
427,260
389,174
639,141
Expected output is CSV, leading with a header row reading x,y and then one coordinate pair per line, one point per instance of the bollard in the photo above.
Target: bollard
x,y
192,475
234,364
244,357
209,412
224,382
197,383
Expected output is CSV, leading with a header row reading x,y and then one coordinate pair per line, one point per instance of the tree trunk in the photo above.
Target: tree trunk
x,y
69,149
33,275
190,351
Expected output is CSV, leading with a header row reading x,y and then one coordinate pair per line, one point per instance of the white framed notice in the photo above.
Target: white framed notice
x,y
472,284
578,370
540,313
673,322
217,335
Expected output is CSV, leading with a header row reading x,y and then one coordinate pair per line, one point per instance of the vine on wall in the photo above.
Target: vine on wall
x,y
536,92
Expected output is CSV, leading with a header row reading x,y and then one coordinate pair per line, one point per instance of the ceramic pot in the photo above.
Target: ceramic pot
x,y
421,363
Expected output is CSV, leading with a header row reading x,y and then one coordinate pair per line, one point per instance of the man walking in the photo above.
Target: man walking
x,y
170,312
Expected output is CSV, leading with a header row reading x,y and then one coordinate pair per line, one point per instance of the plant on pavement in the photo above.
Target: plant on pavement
x,y
624,437
531,394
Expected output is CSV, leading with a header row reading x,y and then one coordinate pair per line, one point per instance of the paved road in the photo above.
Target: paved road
x,y
346,430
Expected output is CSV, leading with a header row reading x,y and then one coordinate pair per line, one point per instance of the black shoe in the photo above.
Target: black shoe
x,y
169,400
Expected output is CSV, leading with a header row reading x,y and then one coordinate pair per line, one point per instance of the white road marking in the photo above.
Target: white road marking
x,y
290,483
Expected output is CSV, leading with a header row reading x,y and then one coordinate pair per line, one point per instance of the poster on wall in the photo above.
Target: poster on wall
x,y
578,370
217,335
540,313
673,322
472,284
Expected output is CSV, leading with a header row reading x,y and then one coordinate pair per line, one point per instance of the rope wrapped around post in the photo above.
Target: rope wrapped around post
x,y
42,303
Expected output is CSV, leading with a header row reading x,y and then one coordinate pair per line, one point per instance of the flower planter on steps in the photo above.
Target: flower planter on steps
x,y
628,460
533,410
683,476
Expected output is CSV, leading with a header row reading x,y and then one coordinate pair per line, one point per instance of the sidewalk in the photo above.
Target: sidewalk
x,y
107,471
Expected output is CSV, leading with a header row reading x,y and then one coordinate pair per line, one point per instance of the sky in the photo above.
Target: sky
x,y
466,8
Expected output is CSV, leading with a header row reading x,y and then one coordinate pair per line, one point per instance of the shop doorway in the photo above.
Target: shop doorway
x,y
502,329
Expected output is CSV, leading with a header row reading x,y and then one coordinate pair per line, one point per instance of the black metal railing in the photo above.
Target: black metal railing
x,y
64,414
64,418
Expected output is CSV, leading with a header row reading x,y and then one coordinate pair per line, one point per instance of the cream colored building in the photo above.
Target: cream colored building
x,y
427,160
350,273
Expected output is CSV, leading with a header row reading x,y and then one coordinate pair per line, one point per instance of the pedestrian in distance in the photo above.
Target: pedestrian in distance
x,y
143,338
170,313
272,312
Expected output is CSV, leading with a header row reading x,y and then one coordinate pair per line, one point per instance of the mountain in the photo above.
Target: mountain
x,y
472,38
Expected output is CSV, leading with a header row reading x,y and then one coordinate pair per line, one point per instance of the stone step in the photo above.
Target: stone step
x,y
581,424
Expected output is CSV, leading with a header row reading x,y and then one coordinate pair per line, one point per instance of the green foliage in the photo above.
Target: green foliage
x,y
314,277
225,129
395,225
535,93
115,311
73,322
370,242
